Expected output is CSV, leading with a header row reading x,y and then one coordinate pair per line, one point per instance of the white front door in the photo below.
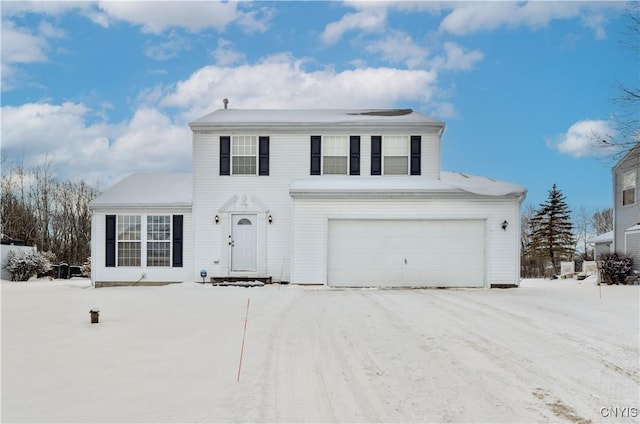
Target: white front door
x,y
243,243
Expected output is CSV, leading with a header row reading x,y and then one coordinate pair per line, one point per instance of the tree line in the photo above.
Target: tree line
x,y
40,210
550,235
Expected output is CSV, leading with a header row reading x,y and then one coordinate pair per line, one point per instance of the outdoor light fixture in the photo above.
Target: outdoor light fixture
x,y
505,224
217,219
270,219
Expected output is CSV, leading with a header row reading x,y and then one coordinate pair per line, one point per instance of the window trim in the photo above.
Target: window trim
x,y
352,154
255,155
383,155
632,187
144,240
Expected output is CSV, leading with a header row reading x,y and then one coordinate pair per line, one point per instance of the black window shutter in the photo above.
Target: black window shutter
x,y
177,241
263,155
316,154
354,155
225,155
110,241
415,154
376,155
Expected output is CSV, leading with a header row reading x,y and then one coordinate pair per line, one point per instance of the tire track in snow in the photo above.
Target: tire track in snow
x,y
570,381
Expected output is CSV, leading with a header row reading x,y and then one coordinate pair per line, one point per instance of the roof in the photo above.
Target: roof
x,y
148,190
602,238
632,155
314,117
455,183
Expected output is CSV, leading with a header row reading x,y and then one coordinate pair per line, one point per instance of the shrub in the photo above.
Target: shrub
x,y
23,265
614,267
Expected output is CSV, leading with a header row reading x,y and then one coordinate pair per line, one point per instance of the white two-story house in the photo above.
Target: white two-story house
x,y
345,198
626,210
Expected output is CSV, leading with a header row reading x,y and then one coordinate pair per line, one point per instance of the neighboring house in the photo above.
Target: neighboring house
x,y
626,210
603,243
349,198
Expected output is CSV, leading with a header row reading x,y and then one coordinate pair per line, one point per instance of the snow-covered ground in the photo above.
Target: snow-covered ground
x,y
561,351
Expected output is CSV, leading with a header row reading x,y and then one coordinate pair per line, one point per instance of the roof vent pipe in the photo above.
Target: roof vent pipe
x,y
226,102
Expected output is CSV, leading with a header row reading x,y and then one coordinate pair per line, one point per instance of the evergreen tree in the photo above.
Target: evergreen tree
x,y
552,238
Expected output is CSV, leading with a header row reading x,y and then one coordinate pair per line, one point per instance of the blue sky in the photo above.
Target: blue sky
x,y
103,89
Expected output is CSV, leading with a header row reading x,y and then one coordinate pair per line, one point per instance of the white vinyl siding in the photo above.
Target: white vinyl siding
x,y
395,155
101,273
312,217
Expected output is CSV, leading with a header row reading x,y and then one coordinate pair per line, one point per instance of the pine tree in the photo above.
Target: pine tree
x,y
552,238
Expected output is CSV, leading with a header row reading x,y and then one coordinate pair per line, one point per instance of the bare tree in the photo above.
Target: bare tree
x,y
626,119
602,221
53,215
582,228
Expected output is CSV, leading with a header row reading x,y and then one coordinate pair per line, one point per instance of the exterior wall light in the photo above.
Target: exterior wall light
x,y
217,219
269,219
505,224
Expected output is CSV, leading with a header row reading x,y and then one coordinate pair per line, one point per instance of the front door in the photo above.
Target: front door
x,y
243,243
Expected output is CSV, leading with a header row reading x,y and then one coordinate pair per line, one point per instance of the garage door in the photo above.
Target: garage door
x,y
392,253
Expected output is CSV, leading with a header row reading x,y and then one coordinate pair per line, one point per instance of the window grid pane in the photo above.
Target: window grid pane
x,y
243,152
129,253
158,253
158,227
243,165
334,165
395,145
129,227
396,165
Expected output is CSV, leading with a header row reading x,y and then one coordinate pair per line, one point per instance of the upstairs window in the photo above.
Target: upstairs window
x,y
335,151
395,150
335,155
629,188
243,155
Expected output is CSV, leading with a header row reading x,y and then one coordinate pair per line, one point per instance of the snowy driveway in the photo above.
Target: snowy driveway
x,y
548,351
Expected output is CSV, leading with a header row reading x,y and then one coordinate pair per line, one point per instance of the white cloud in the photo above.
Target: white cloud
x,y
19,45
473,17
225,54
156,17
168,49
64,136
584,139
456,58
291,86
399,47
368,20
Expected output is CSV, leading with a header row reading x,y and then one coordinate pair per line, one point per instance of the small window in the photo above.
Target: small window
x,y
158,240
335,153
243,155
129,240
629,188
395,150
244,221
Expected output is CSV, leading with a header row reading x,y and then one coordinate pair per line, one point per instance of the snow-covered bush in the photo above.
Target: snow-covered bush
x,y
86,268
614,267
24,265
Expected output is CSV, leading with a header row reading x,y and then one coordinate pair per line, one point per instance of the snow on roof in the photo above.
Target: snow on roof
x,y
602,238
148,189
449,182
302,117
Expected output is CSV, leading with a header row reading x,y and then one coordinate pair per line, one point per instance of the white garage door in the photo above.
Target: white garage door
x,y
393,253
